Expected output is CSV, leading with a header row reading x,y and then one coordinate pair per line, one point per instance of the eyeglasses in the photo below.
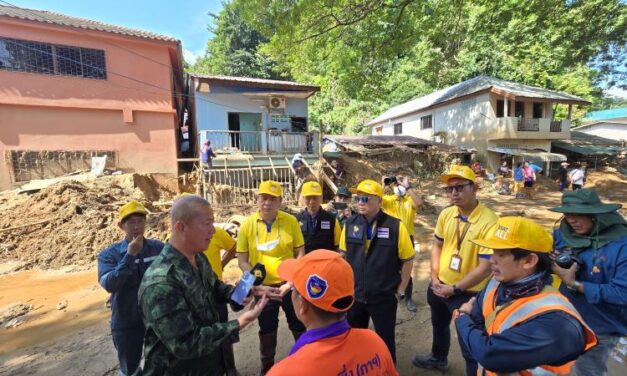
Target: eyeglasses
x,y
458,187
363,199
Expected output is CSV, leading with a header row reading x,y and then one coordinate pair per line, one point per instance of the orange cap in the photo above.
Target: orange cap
x,y
323,278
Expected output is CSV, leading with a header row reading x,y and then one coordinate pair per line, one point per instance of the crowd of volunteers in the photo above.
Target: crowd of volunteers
x,y
524,300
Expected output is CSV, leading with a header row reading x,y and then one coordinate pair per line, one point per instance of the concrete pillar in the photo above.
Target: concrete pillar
x,y
505,107
570,111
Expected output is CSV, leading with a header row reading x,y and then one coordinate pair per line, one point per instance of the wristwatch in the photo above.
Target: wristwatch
x,y
575,286
457,290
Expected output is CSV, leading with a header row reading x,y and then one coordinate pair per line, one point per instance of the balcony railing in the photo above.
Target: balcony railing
x,y
556,126
529,125
262,142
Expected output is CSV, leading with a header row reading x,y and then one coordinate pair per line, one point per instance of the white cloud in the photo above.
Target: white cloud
x,y
191,56
616,92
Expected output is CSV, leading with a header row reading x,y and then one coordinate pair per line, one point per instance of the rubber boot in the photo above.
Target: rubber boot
x,y
267,349
229,360
297,334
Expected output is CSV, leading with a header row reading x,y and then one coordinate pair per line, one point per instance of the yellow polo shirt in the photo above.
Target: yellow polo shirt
x,y
480,222
402,208
253,231
220,240
405,248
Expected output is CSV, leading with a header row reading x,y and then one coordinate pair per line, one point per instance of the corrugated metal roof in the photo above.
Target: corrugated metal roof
x,y
588,144
613,113
260,82
531,155
472,86
80,23
383,141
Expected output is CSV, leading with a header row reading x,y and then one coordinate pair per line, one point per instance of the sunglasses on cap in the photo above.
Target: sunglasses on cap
x,y
363,199
457,187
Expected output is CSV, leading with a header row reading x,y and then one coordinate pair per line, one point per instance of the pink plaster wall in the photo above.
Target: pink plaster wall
x,y
44,112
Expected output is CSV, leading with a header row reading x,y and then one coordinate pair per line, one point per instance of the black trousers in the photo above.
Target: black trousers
x,y
441,316
269,318
129,344
383,317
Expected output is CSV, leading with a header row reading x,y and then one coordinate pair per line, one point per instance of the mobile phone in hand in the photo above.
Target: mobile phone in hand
x,y
242,289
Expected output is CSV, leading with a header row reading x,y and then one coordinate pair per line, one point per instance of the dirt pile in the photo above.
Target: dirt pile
x,y
69,222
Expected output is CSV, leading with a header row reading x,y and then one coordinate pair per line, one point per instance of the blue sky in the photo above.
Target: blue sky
x,y
186,20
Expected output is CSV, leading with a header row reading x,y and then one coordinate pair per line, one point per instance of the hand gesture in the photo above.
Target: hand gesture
x,y
135,246
467,307
273,293
254,310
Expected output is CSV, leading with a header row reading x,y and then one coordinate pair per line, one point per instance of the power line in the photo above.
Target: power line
x,y
168,90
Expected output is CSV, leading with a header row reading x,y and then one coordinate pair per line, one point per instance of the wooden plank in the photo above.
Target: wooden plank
x,y
22,226
273,169
328,181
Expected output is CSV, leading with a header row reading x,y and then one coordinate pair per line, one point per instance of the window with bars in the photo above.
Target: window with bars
x,y
37,57
426,122
398,128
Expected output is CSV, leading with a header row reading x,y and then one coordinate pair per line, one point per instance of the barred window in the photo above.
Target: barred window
x,y
54,59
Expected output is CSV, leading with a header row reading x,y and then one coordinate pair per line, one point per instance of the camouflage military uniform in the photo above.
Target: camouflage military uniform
x,y
178,304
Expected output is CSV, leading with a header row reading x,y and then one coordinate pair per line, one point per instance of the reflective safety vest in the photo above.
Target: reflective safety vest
x,y
499,319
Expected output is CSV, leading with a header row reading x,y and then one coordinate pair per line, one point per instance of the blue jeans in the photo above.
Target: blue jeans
x,y
594,361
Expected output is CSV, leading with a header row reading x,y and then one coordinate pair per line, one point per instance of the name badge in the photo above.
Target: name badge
x,y
456,263
383,233
325,225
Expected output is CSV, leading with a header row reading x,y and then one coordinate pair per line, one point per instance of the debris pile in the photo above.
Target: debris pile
x,y
69,222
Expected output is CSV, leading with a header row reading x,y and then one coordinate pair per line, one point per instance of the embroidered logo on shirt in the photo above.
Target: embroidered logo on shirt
x,y
325,225
316,286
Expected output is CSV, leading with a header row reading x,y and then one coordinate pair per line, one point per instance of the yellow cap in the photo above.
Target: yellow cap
x,y
311,188
459,171
369,187
270,187
132,207
517,232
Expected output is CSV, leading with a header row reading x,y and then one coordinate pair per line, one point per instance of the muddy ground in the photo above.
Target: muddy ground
x,y
65,328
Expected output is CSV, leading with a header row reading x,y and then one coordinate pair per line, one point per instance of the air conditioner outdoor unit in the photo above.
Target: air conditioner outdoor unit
x,y
277,103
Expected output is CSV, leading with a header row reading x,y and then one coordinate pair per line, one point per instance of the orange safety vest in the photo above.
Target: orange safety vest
x,y
499,319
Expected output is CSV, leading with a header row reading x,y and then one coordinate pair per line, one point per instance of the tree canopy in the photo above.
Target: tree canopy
x,y
368,55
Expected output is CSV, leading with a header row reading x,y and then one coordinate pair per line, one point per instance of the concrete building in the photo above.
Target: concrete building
x,y
610,124
497,118
256,128
72,88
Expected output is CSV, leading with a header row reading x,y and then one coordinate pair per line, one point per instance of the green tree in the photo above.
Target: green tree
x,y
368,55
233,50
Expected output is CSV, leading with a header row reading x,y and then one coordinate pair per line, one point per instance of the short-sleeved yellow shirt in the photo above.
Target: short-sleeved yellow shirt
x,y
402,208
405,247
220,240
285,230
480,222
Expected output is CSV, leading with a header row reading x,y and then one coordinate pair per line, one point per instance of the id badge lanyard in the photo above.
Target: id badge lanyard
x,y
456,260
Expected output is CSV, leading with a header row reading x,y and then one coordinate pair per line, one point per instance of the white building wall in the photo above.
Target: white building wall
x,y
612,131
212,109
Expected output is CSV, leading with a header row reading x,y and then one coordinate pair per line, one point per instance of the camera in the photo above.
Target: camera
x,y
389,180
339,205
566,259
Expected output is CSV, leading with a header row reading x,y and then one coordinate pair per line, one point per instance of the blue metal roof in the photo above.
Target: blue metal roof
x,y
606,114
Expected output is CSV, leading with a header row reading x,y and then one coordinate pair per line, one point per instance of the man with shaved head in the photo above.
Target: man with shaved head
x,y
179,296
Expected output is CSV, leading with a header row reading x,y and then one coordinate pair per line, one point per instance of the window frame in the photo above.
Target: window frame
x,y
37,57
423,120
